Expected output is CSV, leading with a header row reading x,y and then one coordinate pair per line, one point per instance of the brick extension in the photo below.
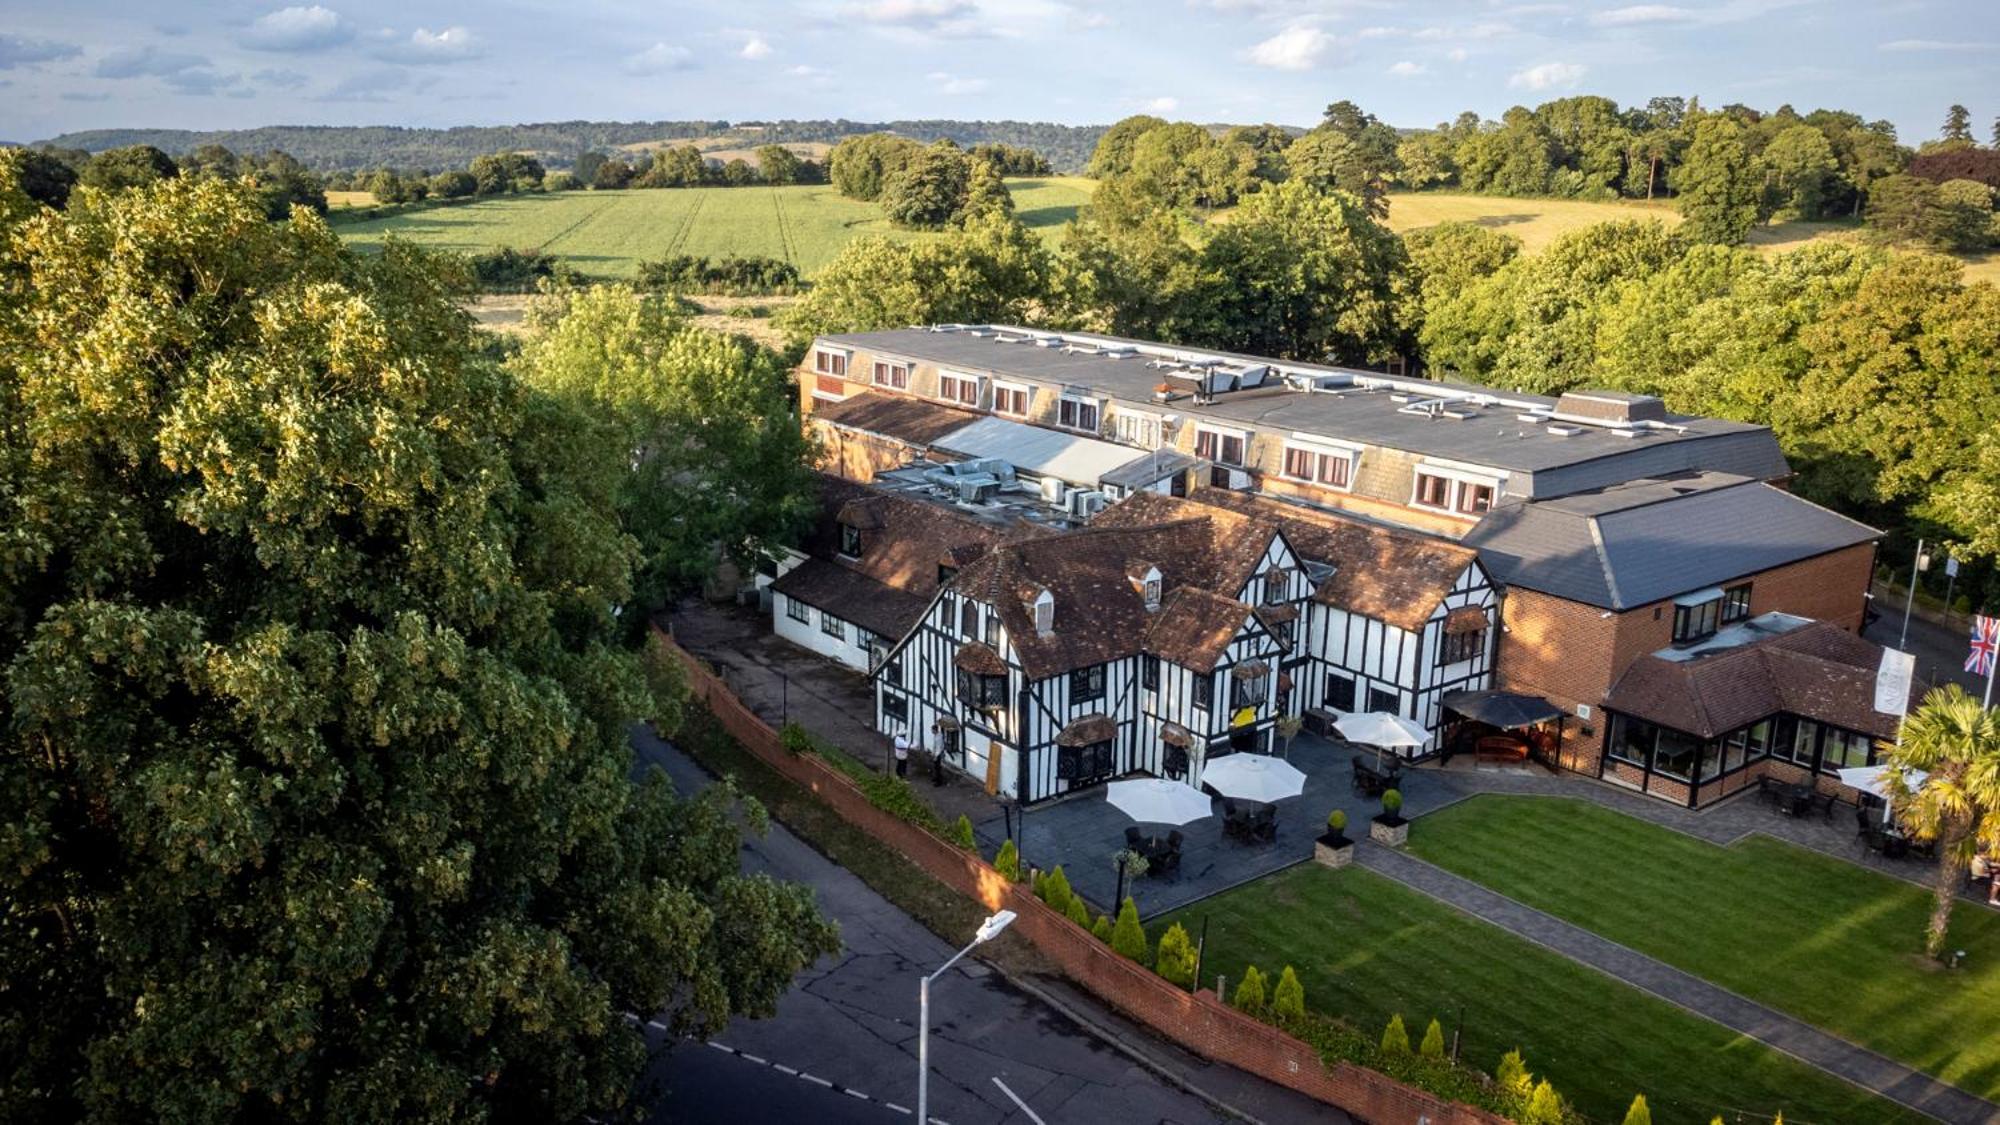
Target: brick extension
x,y
1198,1021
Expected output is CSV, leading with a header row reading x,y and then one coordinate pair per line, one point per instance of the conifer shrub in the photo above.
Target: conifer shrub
x,y
1174,959
1433,1044
1128,938
961,833
1288,1000
1395,1039
1007,861
1249,994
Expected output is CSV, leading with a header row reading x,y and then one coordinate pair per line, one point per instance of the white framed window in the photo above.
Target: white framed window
x,y
798,611
1011,398
1075,412
1451,490
894,375
832,626
1331,468
1132,427
961,389
829,362
1224,447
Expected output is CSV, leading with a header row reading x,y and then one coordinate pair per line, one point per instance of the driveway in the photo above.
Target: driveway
x,y
842,1047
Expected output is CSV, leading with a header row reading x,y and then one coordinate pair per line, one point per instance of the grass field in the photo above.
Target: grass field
x,y
340,199
607,233
1808,934
1366,948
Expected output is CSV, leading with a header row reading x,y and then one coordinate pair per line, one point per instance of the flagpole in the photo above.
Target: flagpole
x,y
1991,664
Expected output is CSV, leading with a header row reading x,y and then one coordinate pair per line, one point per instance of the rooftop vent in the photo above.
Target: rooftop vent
x,y
1564,431
1610,408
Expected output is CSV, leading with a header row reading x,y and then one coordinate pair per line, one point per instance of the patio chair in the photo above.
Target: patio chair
x,y
1233,820
1170,859
1264,824
1874,839
1862,821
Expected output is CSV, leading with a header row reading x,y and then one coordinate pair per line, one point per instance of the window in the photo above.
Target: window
x,y
830,363
946,573
892,670
1674,755
1277,585
798,611
1432,491
1086,684
1085,763
1799,748
1149,673
961,389
1696,621
896,375
1152,593
1219,447
1736,603
993,631
850,541
982,691
1315,466
1045,612
1078,413
1340,692
894,706
1474,498
1246,691
1631,740
1379,700
968,618
1843,749
1010,398
1461,646
1202,692
1142,430
832,626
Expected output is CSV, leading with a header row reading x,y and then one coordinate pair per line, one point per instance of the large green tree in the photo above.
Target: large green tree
x,y
929,189
1308,274
1718,183
719,463
1944,783
312,726
993,270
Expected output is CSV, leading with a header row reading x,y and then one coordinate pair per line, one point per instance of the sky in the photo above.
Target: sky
x,y
217,64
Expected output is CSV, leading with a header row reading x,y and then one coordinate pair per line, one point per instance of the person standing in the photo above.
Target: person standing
x,y
902,753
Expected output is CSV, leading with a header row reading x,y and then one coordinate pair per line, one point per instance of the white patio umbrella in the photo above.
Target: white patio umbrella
x,y
1874,780
1380,729
1253,777
1155,800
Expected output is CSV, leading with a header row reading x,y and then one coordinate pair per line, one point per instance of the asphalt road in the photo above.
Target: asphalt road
x,y
1940,651
843,1045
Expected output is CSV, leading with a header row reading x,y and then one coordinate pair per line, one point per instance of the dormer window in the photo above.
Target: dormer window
x,y
892,375
1153,590
961,389
1075,412
850,541
1277,585
1219,446
827,362
1045,612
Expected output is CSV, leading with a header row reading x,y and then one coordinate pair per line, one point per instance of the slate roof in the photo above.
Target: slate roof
x,y
1819,671
1544,464
1643,541
851,596
902,417
1394,576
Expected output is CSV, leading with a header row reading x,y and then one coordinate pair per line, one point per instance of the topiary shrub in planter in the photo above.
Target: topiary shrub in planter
x,y
1334,849
1388,826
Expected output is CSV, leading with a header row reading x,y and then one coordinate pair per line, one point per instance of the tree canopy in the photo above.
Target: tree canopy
x,y
313,718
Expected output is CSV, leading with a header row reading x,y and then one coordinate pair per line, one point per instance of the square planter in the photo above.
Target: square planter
x,y
1392,831
1333,851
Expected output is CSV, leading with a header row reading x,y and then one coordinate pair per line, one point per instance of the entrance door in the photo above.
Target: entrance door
x,y
950,748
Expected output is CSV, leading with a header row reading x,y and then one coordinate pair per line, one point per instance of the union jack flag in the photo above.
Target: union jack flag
x,y
1985,644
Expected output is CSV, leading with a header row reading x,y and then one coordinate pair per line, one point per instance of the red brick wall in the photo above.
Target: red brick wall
x,y
1572,653
1196,1021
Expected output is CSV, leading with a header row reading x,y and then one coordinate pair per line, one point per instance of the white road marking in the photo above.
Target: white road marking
x,y
1016,1099
782,1068
898,1108
723,1049
815,1078
656,1025
754,1058
857,1094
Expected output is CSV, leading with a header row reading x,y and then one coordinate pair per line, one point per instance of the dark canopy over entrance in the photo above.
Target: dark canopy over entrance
x,y
1504,709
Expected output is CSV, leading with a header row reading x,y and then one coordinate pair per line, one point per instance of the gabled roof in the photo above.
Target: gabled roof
x,y
1396,577
1818,671
852,596
1226,550
1632,544
1194,627
903,539
902,417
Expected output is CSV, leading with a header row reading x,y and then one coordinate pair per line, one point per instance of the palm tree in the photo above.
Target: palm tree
x,y
1957,743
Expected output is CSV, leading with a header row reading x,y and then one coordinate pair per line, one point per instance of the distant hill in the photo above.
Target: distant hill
x,y
557,143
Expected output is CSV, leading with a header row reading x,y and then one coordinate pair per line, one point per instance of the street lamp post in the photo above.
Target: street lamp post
x,y
988,930
1922,563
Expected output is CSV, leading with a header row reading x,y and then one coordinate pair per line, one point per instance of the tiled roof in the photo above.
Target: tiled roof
x,y
1819,671
902,417
1647,540
1194,627
851,596
903,540
1088,730
1396,577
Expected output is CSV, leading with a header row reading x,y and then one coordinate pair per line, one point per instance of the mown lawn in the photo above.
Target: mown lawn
x,y
1366,948
607,233
1817,937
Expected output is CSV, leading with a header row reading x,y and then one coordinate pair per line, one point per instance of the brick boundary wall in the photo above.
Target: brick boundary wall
x,y
1196,1021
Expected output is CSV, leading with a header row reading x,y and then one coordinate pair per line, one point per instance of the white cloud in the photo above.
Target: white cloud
x,y
137,62
453,44
1936,45
298,29
804,71
919,15
1163,104
955,84
1456,54
756,47
1488,30
1298,47
1408,69
16,51
1381,32
1547,76
658,59
1643,13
